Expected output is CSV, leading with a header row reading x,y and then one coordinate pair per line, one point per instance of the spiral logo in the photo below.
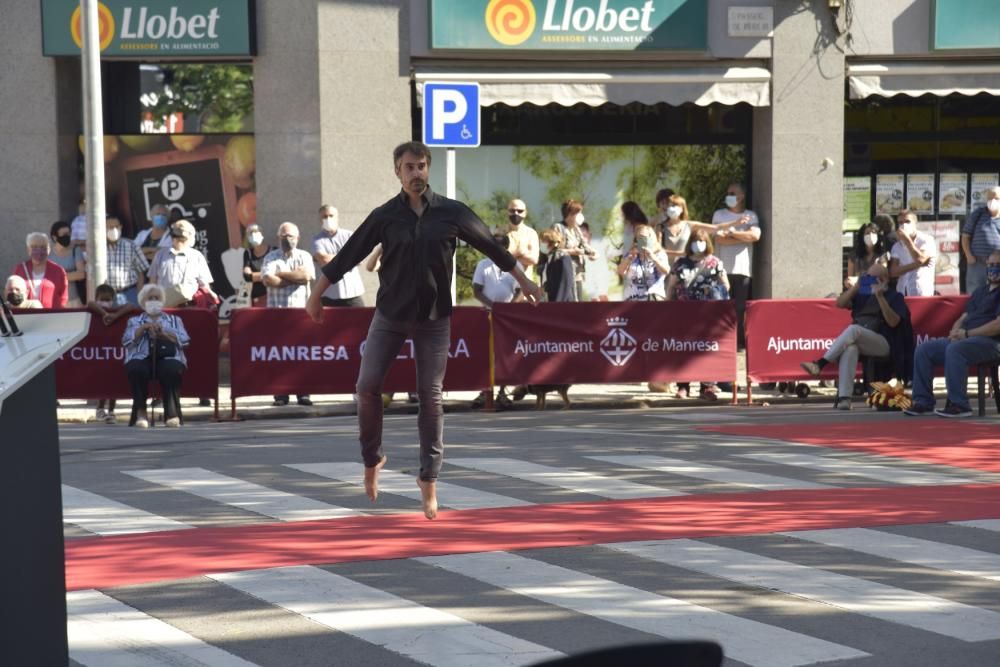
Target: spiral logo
x,y
510,22
105,26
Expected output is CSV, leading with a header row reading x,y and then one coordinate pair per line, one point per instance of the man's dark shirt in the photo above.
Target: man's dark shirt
x,y
982,307
415,277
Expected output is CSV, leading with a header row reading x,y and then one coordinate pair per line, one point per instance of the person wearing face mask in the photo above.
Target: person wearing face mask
x,y
127,265
16,291
980,237
157,235
912,258
735,247
154,343
523,239
180,269
645,267
555,268
70,258
869,248
346,293
698,276
255,249
974,338
105,306
287,274
676,227
45,280
878,312
574,245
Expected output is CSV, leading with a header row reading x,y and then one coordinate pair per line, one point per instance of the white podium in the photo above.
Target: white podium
x,y
32,564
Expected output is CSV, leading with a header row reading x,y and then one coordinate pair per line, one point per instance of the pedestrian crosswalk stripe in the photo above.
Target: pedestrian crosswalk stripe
x,y
853,467
859,596
746,640
402,484
104,632
431,636
104,516
572,480
244,495
970,562
982,524
710,472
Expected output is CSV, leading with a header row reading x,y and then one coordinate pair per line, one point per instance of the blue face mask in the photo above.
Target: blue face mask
x,y
731,201
865,284
160,220
993,273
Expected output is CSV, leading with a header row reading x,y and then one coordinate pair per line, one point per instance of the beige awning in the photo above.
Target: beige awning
x,y
916,78
699,85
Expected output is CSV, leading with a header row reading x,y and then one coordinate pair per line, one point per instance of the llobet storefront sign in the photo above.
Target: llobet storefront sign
x,y
153,28
580,25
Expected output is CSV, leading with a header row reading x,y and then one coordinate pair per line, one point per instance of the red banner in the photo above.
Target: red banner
x,y
282,351
95,367
781,334
632,341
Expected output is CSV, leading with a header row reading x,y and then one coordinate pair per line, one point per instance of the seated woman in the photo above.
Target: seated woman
x,y
879,313
154,347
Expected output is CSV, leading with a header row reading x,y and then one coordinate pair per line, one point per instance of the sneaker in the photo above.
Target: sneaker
x,y
708,395
173,422
810,367
916,410
110,418
280,400
101,415
141,423
952,410
843,403
204,402
305,400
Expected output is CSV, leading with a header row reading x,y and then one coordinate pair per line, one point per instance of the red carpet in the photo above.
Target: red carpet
x,y
105,562
952,442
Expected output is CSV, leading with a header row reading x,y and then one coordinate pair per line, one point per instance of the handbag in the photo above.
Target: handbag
x,y
164,349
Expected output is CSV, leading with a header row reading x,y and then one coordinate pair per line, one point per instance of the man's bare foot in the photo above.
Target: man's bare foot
x,y
371,479
428,489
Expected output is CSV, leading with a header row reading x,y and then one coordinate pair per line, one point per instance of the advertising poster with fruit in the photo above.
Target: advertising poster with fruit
x,y
205,179
888,193
920,193
978,185
953,189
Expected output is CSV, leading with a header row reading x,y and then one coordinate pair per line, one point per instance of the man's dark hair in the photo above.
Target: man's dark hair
x,y
104,290
665,193
418,148
503,240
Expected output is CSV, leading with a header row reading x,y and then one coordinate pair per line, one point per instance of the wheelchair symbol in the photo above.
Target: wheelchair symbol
x,y
466,133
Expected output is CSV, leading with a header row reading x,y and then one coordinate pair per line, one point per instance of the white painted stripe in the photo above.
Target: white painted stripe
x,y
428,635
104,632
859,596
710,472
748,641
572,480
846,466
982,524
970,562
244,495
104,516
402,484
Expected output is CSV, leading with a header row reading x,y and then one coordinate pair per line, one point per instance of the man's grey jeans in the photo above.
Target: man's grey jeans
x,y
430,350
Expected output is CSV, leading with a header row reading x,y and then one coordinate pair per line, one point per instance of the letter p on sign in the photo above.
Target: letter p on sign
x,y
451,114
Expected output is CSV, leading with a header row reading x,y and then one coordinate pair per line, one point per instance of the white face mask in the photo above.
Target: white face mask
x,y
543,248
114,234
699,247
330,223
871,239
674,211
256,238
154,307
907,229
732,201
580,219
994,207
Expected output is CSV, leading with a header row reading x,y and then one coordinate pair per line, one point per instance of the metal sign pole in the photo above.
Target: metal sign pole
x,y
93,154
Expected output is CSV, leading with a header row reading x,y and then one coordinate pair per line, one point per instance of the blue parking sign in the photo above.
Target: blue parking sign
x,y
451,114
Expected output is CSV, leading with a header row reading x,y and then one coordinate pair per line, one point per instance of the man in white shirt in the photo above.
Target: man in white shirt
x,y
912,258
491,284
287,273
734,246
325,246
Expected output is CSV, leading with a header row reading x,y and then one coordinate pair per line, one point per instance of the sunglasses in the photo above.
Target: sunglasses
x,y
515,210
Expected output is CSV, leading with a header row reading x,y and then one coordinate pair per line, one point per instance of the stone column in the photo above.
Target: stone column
x,y
799,199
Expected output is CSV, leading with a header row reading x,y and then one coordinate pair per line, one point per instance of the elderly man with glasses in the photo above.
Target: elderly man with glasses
x,y
974,338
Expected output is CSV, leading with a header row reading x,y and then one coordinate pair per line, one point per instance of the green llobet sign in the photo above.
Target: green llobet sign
x,y
163,28
576,25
